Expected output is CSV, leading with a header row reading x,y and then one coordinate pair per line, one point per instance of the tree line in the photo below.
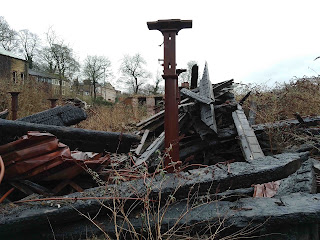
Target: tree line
x,y
53,55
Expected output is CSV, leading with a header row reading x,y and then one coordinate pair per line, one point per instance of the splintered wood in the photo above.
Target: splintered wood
x,y
207,110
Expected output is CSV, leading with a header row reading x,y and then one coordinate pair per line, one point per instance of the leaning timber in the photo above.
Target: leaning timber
x,y
249,142
207,110
59,116
75,138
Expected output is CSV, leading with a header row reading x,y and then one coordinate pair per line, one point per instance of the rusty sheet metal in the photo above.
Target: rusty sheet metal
x,y
40,156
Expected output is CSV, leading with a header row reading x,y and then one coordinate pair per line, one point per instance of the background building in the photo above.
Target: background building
x,y
12,67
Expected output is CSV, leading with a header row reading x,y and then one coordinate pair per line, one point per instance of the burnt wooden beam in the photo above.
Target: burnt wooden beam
x,y
241,102
264,218
210,180
308,121
303,180
75,138
194,76
59,116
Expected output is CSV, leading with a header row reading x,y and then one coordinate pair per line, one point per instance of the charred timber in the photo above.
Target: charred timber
x,y
75,138
282,219
210,180
59,116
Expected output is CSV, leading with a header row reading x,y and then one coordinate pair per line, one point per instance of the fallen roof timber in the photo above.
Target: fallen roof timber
x,y
75,138
308,121
59,116
254,216
212,179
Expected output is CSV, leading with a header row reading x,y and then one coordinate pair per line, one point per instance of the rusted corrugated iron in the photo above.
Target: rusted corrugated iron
x,y
40,156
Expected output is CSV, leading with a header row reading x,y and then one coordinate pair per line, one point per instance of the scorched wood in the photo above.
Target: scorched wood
x,y
59,116
212,179
75,138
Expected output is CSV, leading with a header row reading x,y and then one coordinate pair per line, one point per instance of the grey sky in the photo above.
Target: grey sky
x,y
250,41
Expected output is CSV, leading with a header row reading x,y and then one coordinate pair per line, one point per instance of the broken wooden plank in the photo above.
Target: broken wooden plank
x,y
241,102
196,96
143,139
59,116
201,128
76,138
155,145
207,111
249,142
158,115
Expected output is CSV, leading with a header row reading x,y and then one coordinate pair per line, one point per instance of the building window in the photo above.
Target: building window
x,y
14,76
63,92
22,76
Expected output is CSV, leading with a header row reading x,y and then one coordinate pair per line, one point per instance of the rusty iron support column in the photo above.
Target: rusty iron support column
x,y
14,104
53,102
169,29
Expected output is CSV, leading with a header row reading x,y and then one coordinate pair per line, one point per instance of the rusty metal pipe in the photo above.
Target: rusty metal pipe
x,y
53,102
14,104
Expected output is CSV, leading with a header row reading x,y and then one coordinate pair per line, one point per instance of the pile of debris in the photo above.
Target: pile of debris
x,y
226,178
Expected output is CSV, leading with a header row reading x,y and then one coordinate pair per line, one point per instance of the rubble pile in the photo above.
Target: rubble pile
x,y
227,177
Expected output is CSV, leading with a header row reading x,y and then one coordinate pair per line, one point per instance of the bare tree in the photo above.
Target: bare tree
x,y
156,88
186,76
132,67
29,44
59,58
96,68
8,37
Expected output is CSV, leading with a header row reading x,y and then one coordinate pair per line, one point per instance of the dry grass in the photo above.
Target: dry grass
x,y
283,100
116,118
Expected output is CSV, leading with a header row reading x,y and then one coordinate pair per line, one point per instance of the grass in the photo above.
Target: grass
x,y
115,118
281,101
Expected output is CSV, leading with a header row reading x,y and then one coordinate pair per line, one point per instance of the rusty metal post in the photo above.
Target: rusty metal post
x,y
169,29
14,104
53,102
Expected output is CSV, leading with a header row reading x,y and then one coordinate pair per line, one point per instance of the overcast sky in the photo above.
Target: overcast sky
x,y
251,41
